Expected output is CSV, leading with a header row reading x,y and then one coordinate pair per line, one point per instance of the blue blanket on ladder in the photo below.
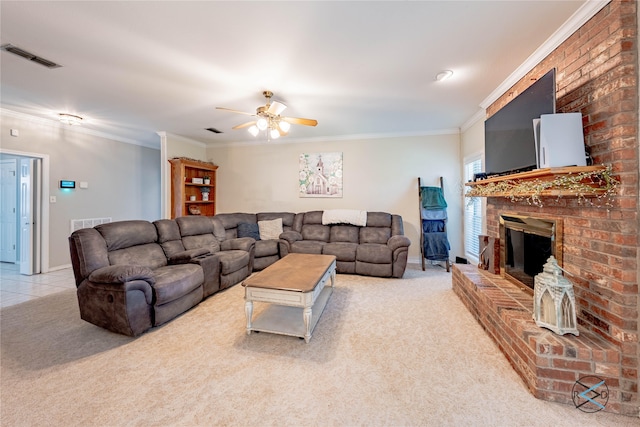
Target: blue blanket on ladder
x,y
436,246
432,198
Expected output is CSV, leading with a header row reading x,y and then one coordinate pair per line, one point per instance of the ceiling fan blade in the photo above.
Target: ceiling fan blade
x,y
299,121
235,111
276,108
244,125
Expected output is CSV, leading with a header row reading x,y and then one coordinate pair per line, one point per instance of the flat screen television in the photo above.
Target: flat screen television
x,y
509,141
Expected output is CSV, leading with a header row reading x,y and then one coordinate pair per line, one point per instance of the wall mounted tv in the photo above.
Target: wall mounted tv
x,y
509,141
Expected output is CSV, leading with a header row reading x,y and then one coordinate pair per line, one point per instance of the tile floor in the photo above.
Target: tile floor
x,y
16,288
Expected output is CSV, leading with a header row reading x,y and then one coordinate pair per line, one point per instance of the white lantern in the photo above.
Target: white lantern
x,y
554,303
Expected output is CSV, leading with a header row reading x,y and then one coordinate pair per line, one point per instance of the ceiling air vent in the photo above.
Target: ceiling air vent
x,y
28,55
214,130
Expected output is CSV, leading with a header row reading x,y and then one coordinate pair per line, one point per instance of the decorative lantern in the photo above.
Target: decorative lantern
x,y
554,303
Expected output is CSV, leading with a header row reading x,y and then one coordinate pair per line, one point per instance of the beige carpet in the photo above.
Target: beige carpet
x,y
385,352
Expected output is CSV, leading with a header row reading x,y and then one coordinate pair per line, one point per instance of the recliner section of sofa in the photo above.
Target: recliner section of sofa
x,y
379,248
134,275
266,251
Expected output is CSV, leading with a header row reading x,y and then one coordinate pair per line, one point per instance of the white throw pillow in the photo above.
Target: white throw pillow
x,y
270,230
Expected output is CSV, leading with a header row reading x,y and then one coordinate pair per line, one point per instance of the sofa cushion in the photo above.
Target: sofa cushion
x,y
194,225
378,219
375,235
218,230
232,260
124,234
344,233
307,247
175,281
148,255
343,251
169,237
207,241
247,229
270,229
374,253
316,232
266,248
312,217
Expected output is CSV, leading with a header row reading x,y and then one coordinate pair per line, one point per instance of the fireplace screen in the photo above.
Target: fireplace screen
x,y
526,243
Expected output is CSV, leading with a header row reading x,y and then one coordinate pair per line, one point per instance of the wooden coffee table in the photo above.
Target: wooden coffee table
x,y
294,286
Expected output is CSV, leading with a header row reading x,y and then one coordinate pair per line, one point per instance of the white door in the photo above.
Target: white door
x,y
8,210
29,217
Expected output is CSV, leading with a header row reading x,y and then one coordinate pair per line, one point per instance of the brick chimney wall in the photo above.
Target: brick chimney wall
x,y
597,75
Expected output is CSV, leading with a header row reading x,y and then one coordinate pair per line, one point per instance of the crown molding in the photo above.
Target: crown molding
x,y
577,20
77,129
353,137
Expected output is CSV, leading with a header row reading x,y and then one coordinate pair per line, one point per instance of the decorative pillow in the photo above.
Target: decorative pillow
x,y
270,230
246,229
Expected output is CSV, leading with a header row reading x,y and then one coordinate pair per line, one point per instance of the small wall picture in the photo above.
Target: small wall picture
x,y
320,175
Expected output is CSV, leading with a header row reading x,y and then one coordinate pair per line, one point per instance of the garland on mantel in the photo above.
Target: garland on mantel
x,y
595,189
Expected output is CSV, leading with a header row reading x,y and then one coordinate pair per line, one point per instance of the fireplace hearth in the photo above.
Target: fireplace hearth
x,y
526,243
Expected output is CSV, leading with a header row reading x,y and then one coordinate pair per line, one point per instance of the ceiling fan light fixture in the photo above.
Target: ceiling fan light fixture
x,y
284,126
444,75
253,130
70,119
262,123
274,133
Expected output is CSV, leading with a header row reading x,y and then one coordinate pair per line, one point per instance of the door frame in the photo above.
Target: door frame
x,y
12,162
43,200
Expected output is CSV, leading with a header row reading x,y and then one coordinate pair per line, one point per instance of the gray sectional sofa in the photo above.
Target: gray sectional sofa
x,y
134,275
379,248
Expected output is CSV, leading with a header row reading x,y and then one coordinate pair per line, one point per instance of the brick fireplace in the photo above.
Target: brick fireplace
x,y
597,75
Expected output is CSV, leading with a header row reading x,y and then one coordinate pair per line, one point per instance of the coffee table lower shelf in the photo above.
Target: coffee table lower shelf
x,y
287,320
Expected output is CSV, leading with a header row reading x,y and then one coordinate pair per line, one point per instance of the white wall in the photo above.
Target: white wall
x,y
472,140
379,175
124,179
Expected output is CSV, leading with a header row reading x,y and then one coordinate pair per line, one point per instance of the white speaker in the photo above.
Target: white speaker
x,y
559,140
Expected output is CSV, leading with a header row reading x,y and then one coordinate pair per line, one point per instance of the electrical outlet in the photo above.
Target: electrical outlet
x,y
52,199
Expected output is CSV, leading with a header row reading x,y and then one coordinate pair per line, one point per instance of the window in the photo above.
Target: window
x,y
473,212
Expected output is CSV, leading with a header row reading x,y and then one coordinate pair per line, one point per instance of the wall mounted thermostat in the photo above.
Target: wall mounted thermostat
x,y
67,184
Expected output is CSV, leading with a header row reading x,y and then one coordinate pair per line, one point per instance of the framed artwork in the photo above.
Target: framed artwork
x,y
320,175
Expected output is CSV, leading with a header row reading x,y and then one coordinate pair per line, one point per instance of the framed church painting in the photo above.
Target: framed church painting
x,y
320,175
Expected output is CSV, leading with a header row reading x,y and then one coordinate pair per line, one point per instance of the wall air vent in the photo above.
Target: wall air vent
x,y
214,130
28,55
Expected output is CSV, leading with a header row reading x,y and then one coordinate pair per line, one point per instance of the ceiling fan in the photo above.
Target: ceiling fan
x,y
268,118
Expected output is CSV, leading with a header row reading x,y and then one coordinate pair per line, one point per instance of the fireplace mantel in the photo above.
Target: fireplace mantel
x,y
570,181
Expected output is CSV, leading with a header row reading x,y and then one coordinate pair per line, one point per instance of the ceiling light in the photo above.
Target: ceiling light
x,y
70,119
284,126
443,75
253,130
274,133
262,123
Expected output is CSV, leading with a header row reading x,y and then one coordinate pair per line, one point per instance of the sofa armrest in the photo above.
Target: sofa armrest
x,y
396,242
186,256
122,274
291,236
240,243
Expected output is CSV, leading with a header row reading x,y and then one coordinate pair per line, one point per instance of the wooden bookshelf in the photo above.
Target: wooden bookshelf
x,y
184,189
